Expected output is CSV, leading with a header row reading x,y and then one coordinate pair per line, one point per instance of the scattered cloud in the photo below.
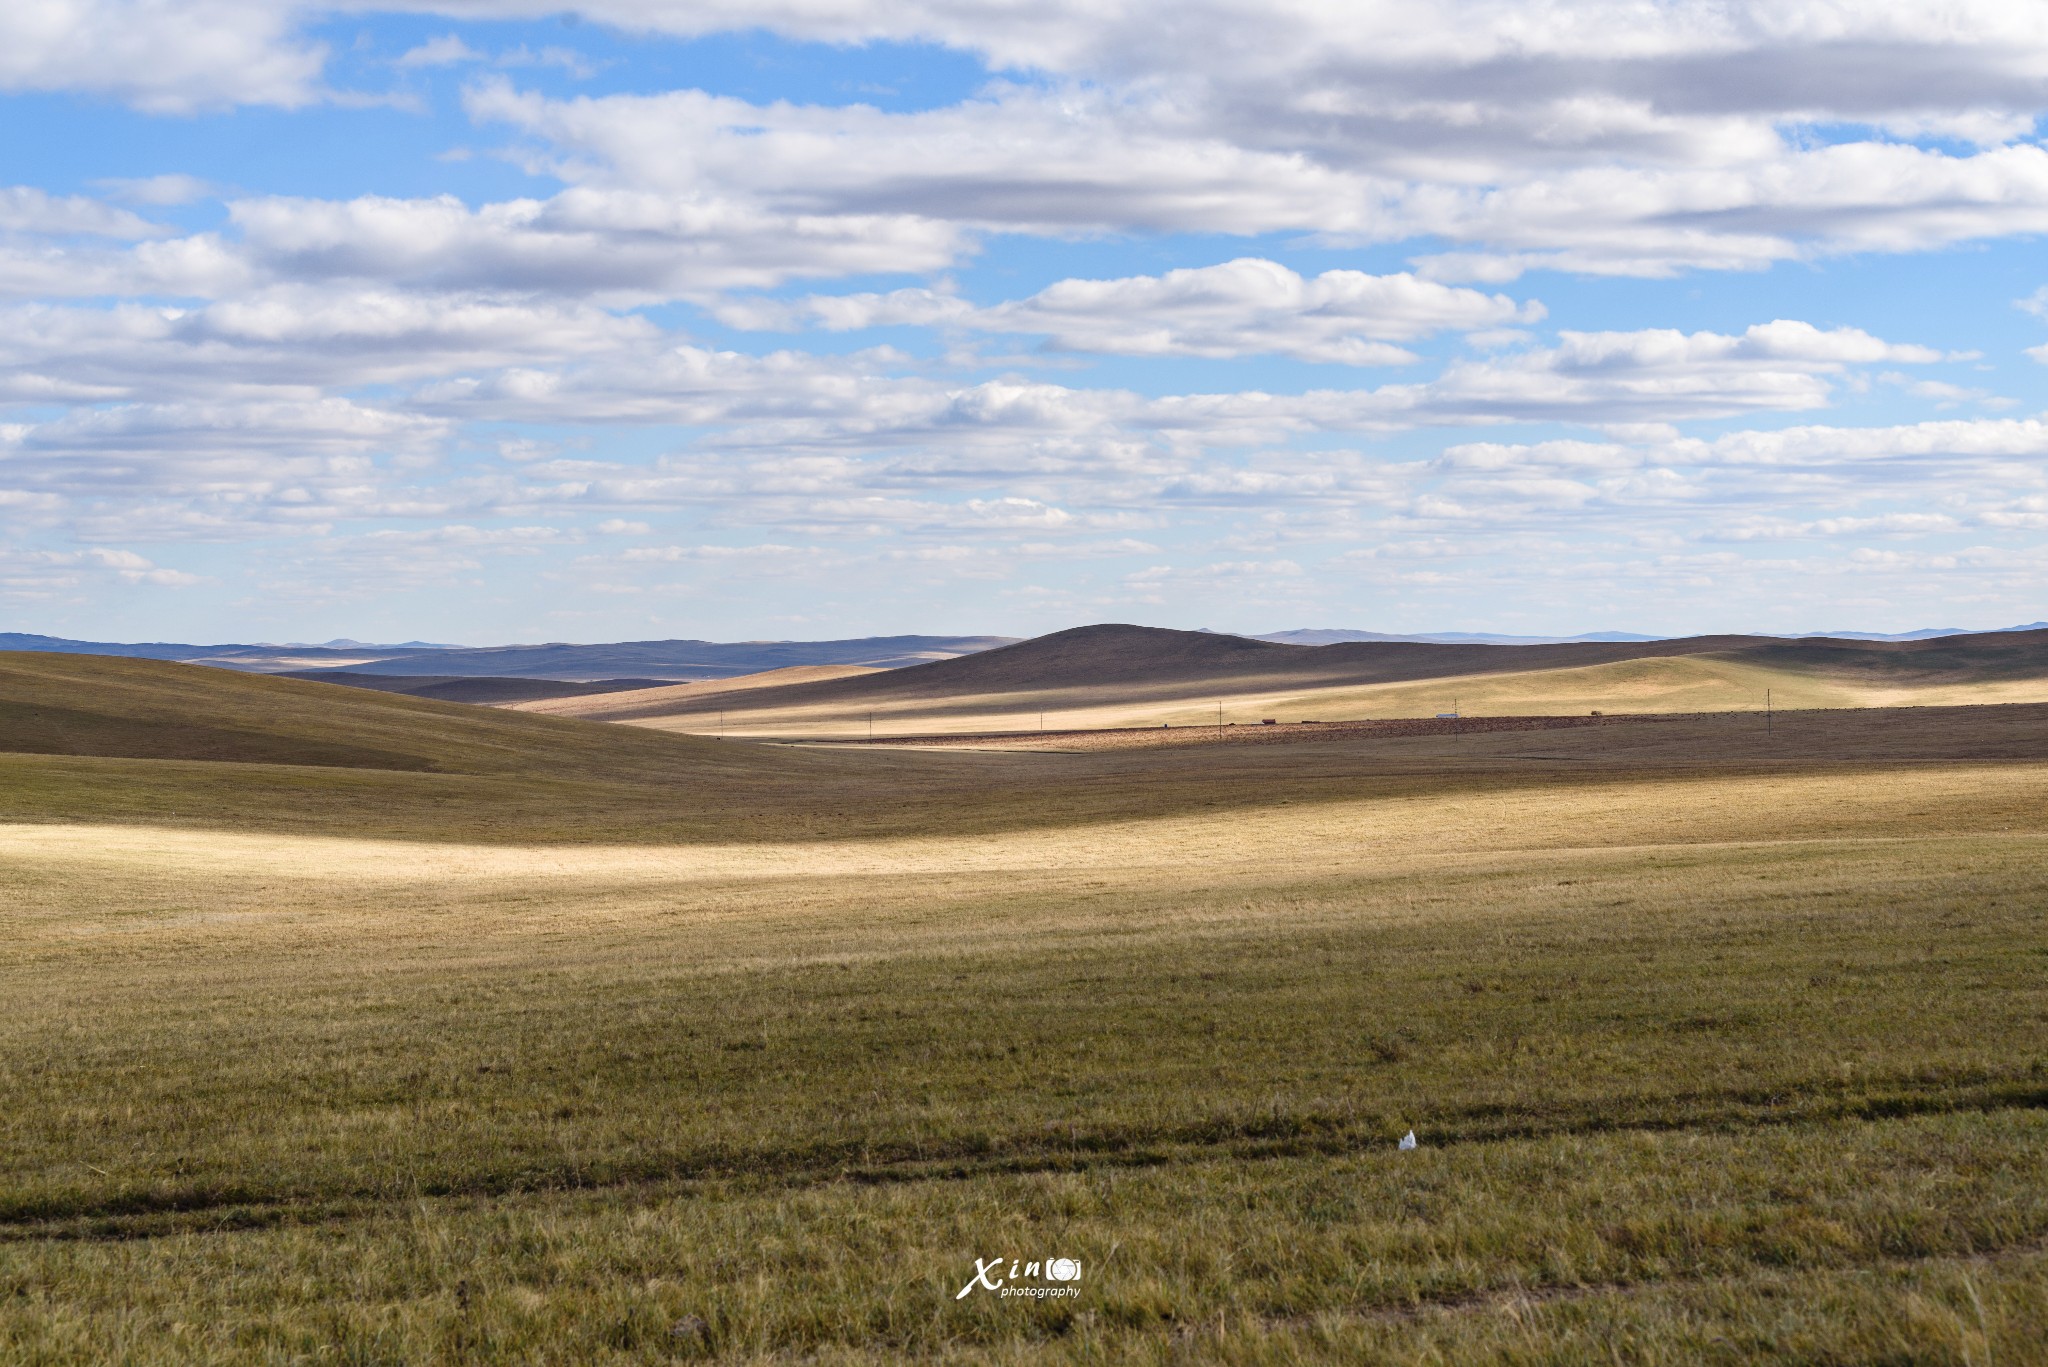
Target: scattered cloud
x,y
25,209
623,245
160,191
1244,307
28,576
446,50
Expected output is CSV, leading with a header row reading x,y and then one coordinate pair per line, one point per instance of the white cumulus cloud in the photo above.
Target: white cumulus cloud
x,y
1249,306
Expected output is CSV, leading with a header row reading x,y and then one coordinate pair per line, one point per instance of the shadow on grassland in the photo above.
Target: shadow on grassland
x,y
90,738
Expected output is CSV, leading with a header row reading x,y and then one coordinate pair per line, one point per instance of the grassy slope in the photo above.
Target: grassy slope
x,y
151,709
1798,674
97,737
1691,683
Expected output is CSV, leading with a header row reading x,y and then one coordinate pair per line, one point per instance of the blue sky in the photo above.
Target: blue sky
x,y
479,322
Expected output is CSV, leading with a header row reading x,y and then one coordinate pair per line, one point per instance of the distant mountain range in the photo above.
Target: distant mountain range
x,y
345,643
639,661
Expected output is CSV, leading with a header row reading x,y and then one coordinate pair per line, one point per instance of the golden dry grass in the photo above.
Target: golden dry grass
x,y
1408,831
472,1102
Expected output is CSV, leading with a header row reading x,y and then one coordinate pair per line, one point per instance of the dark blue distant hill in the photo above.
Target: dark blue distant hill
x,y
661,661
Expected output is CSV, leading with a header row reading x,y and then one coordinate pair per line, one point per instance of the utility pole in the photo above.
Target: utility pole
x,y
1219,719
871,726
1767,711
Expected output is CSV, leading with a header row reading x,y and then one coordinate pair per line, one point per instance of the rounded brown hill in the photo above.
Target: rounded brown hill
x,y
1111,653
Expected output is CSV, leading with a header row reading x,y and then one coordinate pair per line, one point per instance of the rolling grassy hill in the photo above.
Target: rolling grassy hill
x,y
148,709
103,737
1134,676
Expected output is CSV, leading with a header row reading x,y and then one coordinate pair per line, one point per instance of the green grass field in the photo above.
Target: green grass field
x,y
548,1042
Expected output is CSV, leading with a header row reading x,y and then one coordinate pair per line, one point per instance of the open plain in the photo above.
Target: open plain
x,y
349,1026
